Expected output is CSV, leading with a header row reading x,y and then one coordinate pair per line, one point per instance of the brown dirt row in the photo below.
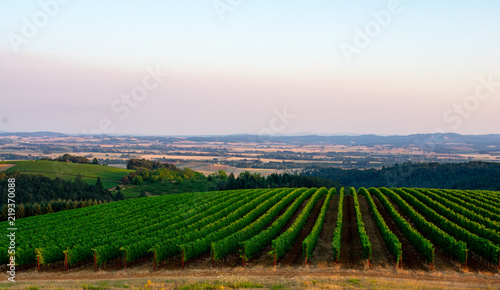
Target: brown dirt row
x,y
350,252
323,254
411,258
351,249
381,257
235,260
295,255
264,259
445,260
441,259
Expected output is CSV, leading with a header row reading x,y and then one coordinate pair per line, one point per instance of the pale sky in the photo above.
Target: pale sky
x,y
235,66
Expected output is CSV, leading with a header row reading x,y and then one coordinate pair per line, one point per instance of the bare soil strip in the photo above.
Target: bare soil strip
x,y
411,259
381,256
323,254
4,167
264,259
350,253
442,261
295,255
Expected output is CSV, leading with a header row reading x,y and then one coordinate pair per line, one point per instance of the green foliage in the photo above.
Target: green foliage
x,y
189,217
261,240
337,234
466,175
311,240
222,175
216,217
487,209
285,241
424,246
231,243
470,211
479,245
236,221
68,171
365,241
138,180
150,164
453,213
220,222
440,236
391,240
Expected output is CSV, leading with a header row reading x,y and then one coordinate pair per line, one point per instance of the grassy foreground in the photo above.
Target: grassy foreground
x,y
273,279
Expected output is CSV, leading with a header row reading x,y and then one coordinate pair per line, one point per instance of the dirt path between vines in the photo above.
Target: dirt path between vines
x,y
411,258
441,259
323,254
380,254
263,258
295,255
350,249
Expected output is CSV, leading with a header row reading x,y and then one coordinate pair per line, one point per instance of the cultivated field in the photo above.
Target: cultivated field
x,y
435,236
110,176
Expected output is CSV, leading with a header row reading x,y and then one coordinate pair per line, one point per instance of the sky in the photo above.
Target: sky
x,y
278,67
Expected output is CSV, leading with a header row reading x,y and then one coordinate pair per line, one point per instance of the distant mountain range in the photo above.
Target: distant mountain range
x,y
438,142
34,134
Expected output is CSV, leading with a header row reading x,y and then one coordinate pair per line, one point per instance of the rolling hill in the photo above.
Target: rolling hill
x,y
110,176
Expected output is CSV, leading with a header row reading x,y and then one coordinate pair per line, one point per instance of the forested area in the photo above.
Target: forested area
x,y
37,195
471,175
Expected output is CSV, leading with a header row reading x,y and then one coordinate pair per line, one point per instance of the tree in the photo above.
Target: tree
x,y
125,180
21,211
5,212
137,180
48,209
188,173
98,187
37,209
69,204
95,161
143,193
223,175
119,196
145,175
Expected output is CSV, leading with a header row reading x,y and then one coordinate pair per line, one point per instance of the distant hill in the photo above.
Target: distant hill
x,y
438,142
34,134
362,139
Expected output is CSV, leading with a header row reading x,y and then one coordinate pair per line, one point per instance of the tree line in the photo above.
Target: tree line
x,y
470,175
72,159
37,189
246,180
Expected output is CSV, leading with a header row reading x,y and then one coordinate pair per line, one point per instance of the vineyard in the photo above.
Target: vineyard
x,y
396,227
